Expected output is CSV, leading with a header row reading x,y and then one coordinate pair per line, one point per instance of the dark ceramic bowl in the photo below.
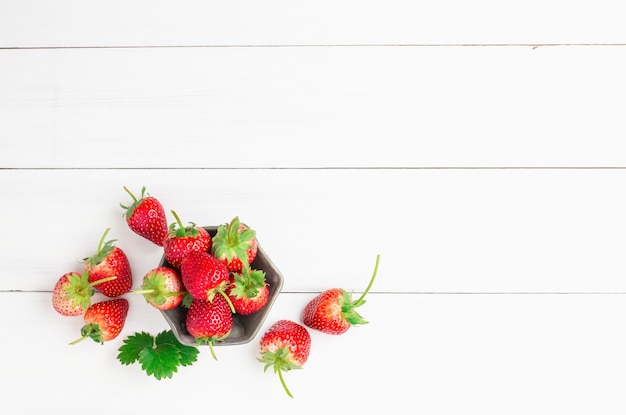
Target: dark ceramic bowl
x,y
245,328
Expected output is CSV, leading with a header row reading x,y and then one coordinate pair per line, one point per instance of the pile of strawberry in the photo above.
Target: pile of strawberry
x,y
211,276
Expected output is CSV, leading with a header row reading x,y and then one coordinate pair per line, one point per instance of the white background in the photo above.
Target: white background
x,y
476,146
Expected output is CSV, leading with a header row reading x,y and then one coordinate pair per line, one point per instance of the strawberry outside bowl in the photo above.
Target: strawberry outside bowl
x,y
245,327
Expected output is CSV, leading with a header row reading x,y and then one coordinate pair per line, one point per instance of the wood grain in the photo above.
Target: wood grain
x,y
476,146
73,23
446,230
313,107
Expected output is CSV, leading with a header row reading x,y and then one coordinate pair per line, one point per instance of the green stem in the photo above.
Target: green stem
x,y
169,294
130,193
102,239
230,303
371,280
78,340
282,380
180,223
212,351
142,292
100,281
174,294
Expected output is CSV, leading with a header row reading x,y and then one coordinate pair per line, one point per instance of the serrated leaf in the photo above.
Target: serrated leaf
x,y
132,347
160,362
159,356
188,354
165,337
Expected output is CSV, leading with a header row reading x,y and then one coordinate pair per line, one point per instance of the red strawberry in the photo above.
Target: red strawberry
x,y
333,311
285,346
110,261
204,277
162,288
209,321
234,243
248,290
182,240
146,217
104,321
71,295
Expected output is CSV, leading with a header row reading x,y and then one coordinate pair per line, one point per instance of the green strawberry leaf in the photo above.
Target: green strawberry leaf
x,y
160,362
133,345
188,354
158,356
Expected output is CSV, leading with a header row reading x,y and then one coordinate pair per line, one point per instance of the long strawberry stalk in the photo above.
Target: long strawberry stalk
x,y
359,301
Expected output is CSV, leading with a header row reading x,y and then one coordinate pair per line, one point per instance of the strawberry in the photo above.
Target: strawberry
x,y
285,346
71,295
234,243
146,217
162,288
104,321
333,311
209,321
204,277
248,290
181,240
109,261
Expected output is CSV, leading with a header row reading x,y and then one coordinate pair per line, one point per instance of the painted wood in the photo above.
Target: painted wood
x,y
72,23
313,107
476,146
440,354
442,230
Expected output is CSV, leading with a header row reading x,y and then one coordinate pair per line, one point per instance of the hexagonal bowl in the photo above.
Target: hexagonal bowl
x,y
245,328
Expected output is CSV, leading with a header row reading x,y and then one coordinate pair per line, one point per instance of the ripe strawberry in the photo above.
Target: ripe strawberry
x,y
162,288
146,217
71,295
209,321
234,243
333,311
110,261
248,290
285,346
181,240
104,321
204,277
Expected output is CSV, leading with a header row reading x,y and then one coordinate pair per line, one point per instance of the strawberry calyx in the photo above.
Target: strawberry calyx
x,y
280,362
210,341
104,249
131,208
154,290
179,230
187,300
89,331
247,283
348,306
80,290
232,242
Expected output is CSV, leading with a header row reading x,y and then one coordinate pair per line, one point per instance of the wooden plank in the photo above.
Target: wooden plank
x,y
313,107
443,230
491,354
64,23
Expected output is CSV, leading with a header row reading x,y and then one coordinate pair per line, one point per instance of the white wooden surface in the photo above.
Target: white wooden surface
x,y
478,147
